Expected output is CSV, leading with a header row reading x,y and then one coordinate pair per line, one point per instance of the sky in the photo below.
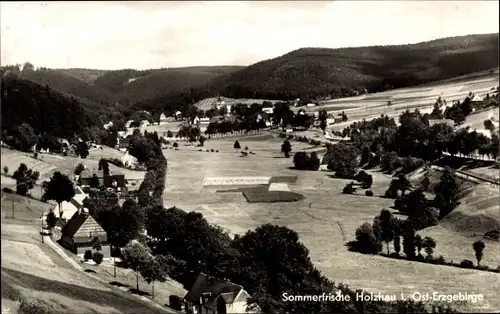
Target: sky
x,y
146,35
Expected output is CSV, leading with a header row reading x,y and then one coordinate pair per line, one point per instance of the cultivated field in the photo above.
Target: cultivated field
x,y
419,97
32,270
325,220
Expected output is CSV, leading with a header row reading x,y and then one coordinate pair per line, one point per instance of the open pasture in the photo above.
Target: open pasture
x,y
325,219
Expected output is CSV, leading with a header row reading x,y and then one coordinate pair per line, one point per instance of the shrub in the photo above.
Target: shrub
x,y
51,220
175,145
349,189
200,150
97,257
212,150
366,240
364,178
466,264
175,302
218,151
7,190
369,193
6,170
87,255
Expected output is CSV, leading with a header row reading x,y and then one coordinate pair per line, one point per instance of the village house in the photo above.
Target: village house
x,y
123,143
108,125
163,119
115,179
128,160
438,121
212,295
128,123
81,232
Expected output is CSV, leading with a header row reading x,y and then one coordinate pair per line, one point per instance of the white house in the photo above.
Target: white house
x,y
213,295
128,123
108,125
204,120
145,123
311,105
445,121
268,110
196,120
163,119
330,119
128,160
178,114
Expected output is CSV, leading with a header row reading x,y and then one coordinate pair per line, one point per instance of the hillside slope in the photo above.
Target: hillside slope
x,y
85,75
131,86
69,85
340,72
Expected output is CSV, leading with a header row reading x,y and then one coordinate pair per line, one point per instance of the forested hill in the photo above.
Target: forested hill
x,y
340,72
46,110
131,86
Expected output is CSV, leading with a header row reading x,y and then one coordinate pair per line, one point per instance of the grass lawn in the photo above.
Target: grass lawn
x,y
325,220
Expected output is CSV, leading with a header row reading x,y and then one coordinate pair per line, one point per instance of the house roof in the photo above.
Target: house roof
x,y
476,98
216,287
87,174
82,227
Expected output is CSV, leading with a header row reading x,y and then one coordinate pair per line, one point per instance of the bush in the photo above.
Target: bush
x,y
175,302
175,145
51,220
349,189
7,190
87,255
466,264
369,193
218,151
97,257
212,150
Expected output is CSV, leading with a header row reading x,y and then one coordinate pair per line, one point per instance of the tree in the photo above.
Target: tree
x,y
322,115
175,145
488,125
446,192
170,133
478,247
342,159
409,240
202,140
157,270
104,166
25,179
79,168
6,170
386,226
24,137
286,148
94,181
429,244
82,149
418,243
97,257
51,220
397,244
59,188
314,162
246,148
87,255
367,241
344,117
96,244
236,145
137,256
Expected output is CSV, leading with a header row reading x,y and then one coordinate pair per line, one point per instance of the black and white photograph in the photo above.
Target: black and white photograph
x,y
213,157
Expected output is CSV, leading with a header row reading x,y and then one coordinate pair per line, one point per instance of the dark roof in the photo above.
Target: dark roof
x,y
73,228
216,287
74,224
87,174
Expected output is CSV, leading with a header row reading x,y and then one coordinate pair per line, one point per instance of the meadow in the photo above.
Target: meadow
x,y
325,219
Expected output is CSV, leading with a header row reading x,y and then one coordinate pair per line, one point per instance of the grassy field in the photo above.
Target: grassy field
x,y
32,270
47,164
325,219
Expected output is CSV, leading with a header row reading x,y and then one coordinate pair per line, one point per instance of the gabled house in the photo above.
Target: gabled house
x,y
213,295
104,180
81,232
